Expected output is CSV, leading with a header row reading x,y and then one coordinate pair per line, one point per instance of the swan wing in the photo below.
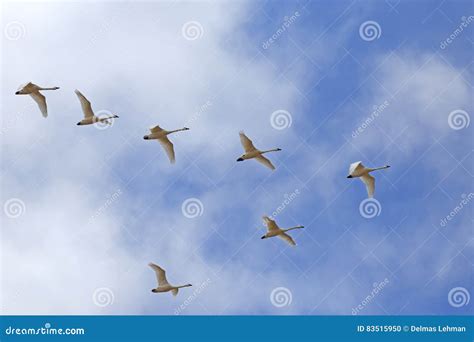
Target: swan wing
x,y
261,159
287,238
168,146
355,166
41,102
160,274
271,224
247,144
156,129
85,105
369,182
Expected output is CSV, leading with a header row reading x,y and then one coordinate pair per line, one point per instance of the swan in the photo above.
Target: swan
x,y
161,135
163,285
34,91
274,230
89,116
357,169
251,152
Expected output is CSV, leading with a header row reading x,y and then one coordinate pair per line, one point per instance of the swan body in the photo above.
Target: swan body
x,y
358,170
274,230
34,91
89,116
163,285
158,133
252,153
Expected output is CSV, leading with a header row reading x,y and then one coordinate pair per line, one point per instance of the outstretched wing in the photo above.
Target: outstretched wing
x,y
247,144
369,184
85,104
41,101
287,238
261,159
160,274
355,166
169,148
271,224
156,129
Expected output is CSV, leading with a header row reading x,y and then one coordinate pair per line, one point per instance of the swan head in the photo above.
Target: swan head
x,y
240,159
146,137
349,176
186,129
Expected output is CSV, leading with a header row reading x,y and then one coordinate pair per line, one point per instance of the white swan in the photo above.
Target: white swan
x,y
161,135
33,90
274,230
163,285
89,116
251,152
357,169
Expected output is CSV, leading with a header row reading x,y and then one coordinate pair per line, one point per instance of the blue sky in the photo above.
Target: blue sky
x,y
97,205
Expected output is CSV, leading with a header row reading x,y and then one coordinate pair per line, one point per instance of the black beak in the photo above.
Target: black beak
x,y
78,124
349,176
145,137
263,237
17,93
240,159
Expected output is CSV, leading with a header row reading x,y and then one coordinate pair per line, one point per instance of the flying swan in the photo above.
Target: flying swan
x,y
89,116
34,91
251,152
274,230
358,170
163,285
161,135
